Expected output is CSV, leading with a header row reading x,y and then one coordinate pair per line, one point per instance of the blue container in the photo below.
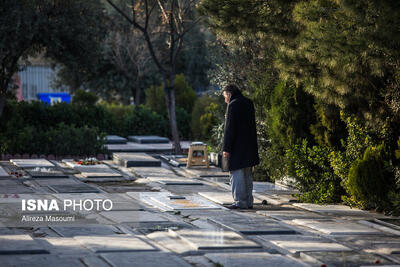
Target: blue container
x,y
53,98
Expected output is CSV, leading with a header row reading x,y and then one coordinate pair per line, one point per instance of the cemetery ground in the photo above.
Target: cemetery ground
x,y
164,214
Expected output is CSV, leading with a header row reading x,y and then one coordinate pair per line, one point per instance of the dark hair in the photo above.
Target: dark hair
x,y
233,89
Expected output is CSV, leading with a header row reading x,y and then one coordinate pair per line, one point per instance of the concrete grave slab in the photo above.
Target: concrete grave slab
x,y
147,172
252,225
32,163
188,202
115,139
148,139
206,172
86,230
337,227
62,245
223,198
3,173
40,172
255,259
259,187
180,182
39,261
147,148
301,243
175,160
133,216
343,258
337,210
72,188
205,239
284,215
149,259
136,160
169,241
60,181
19,244
122,243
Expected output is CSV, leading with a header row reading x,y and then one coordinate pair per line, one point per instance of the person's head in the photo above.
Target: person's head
x,y
229,91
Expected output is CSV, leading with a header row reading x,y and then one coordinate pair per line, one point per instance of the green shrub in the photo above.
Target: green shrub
x,y
370,180
84,98
207,113
314,176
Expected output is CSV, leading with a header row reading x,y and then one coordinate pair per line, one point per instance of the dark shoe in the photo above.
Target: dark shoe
x,y
250,208
232,207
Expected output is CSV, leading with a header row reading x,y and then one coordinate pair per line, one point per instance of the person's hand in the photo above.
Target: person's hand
x,y
225,154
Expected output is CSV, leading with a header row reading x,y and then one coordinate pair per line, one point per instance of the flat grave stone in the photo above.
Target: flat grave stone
x,y
206,172
206,239
3,173
19,244
73,188
345,258
39,261
122,243
133,216
252,225
337,210
148,148
148,139
261,187
384,227
60,181
13,189
115,139
223,198
86,230
301,243
41,172
289,215
180,182
188,202
146,172
175,160
234,259
32,163
337,227
136,160
149,259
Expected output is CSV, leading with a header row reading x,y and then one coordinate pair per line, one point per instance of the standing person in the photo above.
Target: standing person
x,y
240,147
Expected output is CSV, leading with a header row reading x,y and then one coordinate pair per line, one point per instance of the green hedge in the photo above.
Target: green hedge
x,y
61,129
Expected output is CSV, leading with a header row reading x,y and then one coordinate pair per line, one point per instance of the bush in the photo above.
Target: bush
x,y
315,179
84,98
185,96
370,180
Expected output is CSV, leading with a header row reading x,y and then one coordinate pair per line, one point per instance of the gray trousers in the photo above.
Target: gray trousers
x,y
242,188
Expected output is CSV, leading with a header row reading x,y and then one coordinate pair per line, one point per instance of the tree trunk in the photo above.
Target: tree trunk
x,y
170,100
137,96
2,102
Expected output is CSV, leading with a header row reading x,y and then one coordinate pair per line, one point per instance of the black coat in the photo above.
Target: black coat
x,y
240,137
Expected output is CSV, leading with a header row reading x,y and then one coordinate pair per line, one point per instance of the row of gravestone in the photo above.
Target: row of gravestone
x,y
51,156
145,139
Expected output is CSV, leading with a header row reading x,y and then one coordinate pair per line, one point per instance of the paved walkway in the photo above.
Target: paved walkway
x,y
169,216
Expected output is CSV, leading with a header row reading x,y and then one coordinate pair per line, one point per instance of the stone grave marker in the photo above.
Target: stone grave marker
x,y
148,259
3,173
175,160
223,198
289,215
73,188
86,230
206,239
19,244
252,225
32,163
206,172
180,182
41,172
337,227
40,261
133,216
234,259
115,139
301,243
148,139
188,202
121,243
336,210
147,172
344,258
136,160
11,187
